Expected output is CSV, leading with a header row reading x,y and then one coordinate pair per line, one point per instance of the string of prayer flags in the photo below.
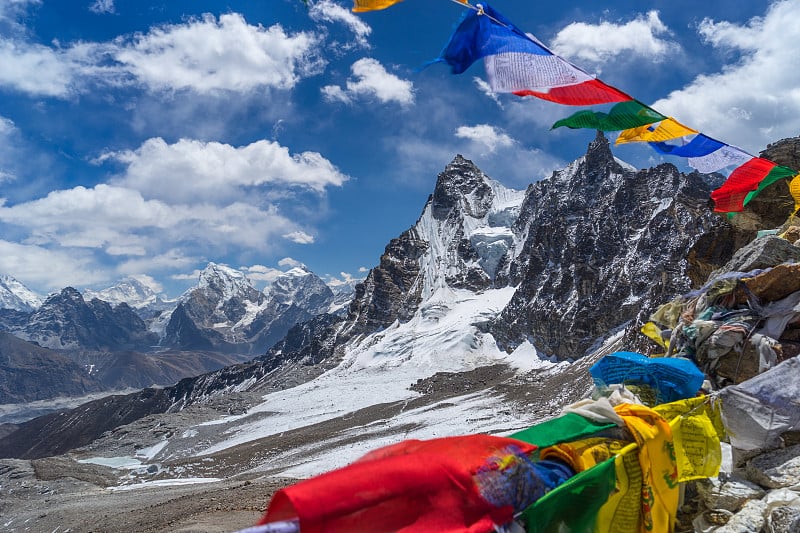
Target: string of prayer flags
x,y
623,116
690,146
518,63
745,182
665,130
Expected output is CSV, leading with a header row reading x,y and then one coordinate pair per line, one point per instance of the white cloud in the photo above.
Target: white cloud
x,y
486,135
370,79
209,55
601,42
102,6
205,56
299,237
41,70
487,90
261,273
218,172
44,269
288,262
328,11
755,100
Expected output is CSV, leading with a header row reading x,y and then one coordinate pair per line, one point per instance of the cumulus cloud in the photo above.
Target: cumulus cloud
x,y
205,55
102,6
299,237
328,11
597,43
288,262
45,71
220,171
175,203
370,79
208,55
755,100
261,273
46,269
486,135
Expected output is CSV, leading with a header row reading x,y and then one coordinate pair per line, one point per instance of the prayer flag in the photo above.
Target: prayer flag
x,y
794,188
518,63
725,156
372,5
774,175
622,116
656,132
690,146
447,484
732,195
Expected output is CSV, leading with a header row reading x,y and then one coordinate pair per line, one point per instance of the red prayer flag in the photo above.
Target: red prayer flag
x,y
730,197
413,486
590,92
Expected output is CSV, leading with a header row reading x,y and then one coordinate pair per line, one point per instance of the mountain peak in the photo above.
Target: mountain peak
x,y
222,279
15,295
461,183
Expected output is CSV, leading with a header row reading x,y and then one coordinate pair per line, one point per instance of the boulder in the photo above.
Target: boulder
x,y
728,492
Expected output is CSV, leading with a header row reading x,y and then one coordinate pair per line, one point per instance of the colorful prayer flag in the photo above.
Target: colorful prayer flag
x,y
518,63
434,485
690,146
623,116
372,5
733,194
725,156
794,188
657,132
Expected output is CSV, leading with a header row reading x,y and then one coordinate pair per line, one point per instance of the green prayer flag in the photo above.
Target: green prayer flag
x,y
774,175
623,116
573,505
566,428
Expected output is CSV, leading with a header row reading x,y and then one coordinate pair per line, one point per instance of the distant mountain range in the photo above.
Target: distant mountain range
x,y
128,335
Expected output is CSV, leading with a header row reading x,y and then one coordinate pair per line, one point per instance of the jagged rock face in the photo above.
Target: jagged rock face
x,y
29,373
604,243
66,321
392,290
458,242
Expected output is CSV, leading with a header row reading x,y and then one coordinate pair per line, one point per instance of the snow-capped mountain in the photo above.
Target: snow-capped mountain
x,y
226,312
603,244
66,321
139,292
15,295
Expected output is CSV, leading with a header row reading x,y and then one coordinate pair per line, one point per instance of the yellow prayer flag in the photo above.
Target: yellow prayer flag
x,y
372,5
622,512
696,432
794,188
665,130
653,332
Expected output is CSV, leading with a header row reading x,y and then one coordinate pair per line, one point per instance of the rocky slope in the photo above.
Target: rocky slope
x,y
29,373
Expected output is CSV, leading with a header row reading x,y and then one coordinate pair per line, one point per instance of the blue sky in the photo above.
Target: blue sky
x,y
147,138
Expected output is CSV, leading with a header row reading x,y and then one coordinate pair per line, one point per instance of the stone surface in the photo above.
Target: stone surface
x,y
764,252
776,469
728,492
749,519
